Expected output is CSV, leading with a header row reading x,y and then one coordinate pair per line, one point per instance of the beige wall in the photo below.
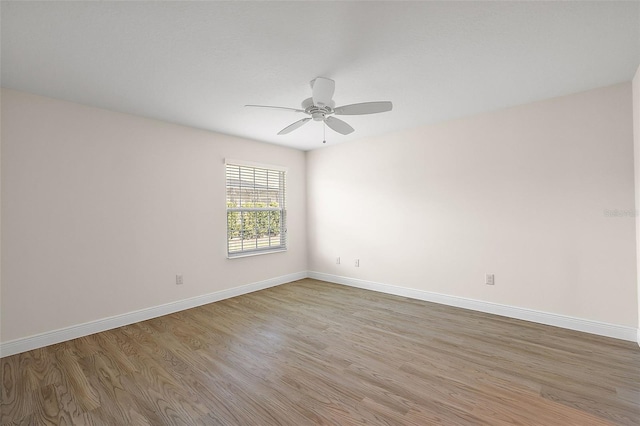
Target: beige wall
x,y
520,192
1,340
100,211
636,144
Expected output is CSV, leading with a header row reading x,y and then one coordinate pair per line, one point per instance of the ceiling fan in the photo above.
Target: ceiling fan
x,y
321,107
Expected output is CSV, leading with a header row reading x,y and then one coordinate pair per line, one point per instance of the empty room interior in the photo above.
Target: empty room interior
x,y
300,213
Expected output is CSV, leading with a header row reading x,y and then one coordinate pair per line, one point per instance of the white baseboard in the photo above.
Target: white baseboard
x,y
75,331
588,326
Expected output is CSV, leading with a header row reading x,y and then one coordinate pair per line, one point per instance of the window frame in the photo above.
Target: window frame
x,y
282,191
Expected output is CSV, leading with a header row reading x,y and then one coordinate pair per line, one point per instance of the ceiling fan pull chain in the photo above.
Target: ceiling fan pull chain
x,y
324,132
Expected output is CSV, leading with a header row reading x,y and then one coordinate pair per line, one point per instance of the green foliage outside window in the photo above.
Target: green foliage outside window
x,y
257,224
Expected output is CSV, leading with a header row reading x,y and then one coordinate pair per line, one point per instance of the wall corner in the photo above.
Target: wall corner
x,y
635,88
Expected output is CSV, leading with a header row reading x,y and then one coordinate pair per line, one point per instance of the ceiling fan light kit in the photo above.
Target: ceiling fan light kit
x,y
321,107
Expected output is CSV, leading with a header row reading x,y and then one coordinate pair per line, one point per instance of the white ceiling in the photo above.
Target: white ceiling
x,y
198,63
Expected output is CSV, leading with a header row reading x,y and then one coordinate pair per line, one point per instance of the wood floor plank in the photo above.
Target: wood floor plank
x,y
310,352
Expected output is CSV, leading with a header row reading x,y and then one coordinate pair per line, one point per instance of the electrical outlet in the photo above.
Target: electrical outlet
x,y
179,280
357,263
490,279
337,260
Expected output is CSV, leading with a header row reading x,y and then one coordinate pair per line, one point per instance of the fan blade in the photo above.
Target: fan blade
x,y
338,125
275,107
323,89
290,128
364,108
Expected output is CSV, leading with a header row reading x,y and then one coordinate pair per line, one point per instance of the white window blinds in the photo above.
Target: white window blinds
x,y
256,214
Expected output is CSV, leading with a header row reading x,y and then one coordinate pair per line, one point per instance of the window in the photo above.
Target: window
x,y
256,214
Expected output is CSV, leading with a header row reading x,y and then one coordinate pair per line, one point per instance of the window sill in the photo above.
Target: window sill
x,y
255,253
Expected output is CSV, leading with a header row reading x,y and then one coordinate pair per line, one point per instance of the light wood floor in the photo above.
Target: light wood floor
x,y
316,353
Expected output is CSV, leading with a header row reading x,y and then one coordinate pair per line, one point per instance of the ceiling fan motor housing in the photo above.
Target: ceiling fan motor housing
x,y
318,113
